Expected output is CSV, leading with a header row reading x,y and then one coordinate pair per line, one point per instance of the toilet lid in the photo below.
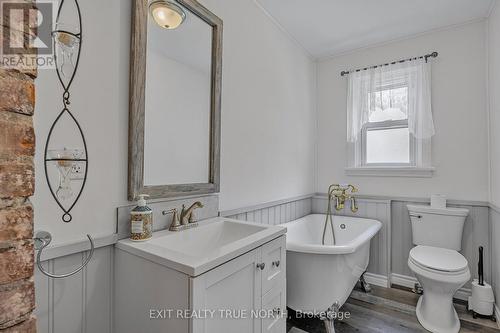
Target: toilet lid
x,y
438,258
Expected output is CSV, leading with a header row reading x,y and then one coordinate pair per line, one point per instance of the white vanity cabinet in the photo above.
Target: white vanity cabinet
x,y
244,292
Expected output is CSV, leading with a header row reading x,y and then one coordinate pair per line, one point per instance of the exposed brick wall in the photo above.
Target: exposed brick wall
x,y
17,175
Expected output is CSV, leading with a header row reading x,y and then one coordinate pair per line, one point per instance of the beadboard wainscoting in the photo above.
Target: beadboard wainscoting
x,y
495,255
275,212
389,250
380,246
81,303
294,208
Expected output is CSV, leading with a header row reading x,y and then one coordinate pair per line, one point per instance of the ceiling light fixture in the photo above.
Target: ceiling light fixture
x,y
167,14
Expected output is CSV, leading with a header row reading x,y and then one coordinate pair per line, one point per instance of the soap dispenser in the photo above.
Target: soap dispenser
x,y
141,220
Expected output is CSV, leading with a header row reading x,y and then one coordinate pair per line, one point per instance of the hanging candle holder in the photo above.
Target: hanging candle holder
x,y
67,43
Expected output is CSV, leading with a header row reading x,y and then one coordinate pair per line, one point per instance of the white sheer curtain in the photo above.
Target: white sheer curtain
x,y
416,75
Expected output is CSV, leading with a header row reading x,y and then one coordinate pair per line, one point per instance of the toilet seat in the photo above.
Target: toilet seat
x,y
437,259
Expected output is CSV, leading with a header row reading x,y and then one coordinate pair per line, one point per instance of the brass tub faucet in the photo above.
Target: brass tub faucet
x,y
342,193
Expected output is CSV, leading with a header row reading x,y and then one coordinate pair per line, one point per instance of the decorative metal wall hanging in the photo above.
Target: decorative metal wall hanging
x,y
67,40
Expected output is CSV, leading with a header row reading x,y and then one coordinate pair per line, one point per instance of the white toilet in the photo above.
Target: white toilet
x,y
440,269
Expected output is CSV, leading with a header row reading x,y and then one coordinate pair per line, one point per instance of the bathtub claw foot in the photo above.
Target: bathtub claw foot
x,y
329,325
367,288
329,317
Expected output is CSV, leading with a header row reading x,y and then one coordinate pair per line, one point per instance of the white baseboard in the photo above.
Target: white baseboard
x,y
377,280
409,282
463,294
403,280
497,315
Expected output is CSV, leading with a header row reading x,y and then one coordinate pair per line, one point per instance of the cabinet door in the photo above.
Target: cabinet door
x,y
274,258
274,310
232,291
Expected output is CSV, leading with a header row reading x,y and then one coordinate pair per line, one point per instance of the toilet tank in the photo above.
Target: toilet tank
x,y
439,227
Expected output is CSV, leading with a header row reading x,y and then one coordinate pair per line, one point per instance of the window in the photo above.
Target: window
x,y
385,138
389,122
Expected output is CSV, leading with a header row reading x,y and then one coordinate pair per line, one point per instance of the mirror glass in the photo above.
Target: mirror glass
x,y
177,102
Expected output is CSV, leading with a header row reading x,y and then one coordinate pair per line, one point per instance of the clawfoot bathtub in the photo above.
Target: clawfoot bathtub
x,y
321,277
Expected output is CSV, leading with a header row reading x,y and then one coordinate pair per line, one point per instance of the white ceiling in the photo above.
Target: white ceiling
x,y
329,27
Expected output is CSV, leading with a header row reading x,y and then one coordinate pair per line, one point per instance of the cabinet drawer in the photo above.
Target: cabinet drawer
x,y
274,258
273,303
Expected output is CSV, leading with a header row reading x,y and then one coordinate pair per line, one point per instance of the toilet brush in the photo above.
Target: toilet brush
x,y
482,300
480,267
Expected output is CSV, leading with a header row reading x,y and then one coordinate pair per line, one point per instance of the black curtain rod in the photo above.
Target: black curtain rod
x,y
427,56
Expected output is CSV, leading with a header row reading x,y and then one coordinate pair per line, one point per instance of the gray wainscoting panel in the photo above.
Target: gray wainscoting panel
x,y
286,211
476,233
279,213
81,303
160,222
380,245
401,238
495,251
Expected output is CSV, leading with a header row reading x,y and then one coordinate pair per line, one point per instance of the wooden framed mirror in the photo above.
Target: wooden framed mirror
x,y
175,99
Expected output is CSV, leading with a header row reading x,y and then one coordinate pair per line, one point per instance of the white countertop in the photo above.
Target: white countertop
x,y
197,250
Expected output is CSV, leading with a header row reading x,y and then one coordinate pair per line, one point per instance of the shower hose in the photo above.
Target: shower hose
x,y
329,218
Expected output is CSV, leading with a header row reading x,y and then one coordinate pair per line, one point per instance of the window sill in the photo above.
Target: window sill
x,y
387,171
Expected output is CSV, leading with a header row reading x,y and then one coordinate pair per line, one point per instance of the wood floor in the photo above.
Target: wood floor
x,y
385,310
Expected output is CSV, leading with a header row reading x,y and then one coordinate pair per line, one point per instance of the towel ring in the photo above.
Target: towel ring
x,y
42,239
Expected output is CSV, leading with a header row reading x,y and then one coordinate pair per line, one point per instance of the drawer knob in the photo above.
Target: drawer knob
x,y
276,263
261,266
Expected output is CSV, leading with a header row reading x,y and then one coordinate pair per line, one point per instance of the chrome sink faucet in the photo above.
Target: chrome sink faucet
x,y
187,219
187,215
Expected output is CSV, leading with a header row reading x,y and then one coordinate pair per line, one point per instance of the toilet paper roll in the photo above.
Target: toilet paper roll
x,y
438,201
482,299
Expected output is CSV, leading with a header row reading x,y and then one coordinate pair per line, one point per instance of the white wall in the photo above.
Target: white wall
x,y
494,107
460,150
268,121
99,99
268,117
494,118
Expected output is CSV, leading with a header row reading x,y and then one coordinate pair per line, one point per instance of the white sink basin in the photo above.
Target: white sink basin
x,y
197,250
207,239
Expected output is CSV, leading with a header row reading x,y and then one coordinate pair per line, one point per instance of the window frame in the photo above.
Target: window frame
x,y
388,124
385,125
